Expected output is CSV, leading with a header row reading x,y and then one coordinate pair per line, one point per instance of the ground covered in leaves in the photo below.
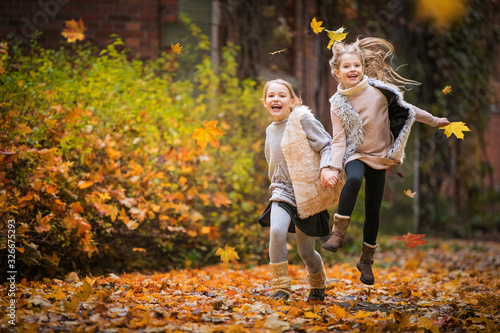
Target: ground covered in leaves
x,y
445,287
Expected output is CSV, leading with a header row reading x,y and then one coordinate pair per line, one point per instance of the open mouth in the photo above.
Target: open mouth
x,y
352,76
276,107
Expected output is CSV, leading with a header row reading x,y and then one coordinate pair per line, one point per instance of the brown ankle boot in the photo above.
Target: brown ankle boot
x,y
365,263
281,283
340,224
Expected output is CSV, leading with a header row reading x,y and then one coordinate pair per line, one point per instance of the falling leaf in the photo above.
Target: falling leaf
x,y
456,128
316,26
176,48
74,31
446,90
410,194
207,133
411,240
336,36
227,254
277,52
441,13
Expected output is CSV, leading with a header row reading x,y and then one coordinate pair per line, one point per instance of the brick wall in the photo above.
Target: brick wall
x,y
135,21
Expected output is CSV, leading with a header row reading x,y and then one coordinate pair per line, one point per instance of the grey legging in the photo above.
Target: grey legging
x,y
280,220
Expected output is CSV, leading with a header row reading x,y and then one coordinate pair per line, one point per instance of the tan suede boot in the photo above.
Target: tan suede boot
x,y
340,224
281,283
365,263
317,285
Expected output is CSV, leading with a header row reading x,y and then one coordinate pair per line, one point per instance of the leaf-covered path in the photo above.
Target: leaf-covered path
x,y
448,287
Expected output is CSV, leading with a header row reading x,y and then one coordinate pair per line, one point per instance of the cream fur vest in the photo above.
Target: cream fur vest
x,y
304,168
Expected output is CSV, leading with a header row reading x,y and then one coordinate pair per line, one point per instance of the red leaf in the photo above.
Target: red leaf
x,y
411,240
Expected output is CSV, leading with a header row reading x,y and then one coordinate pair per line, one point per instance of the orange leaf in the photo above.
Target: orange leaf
x,y
227,254
207,133
410,194
43,223
138,249
176,48
220,199
411,240
82,184
74,30
446,90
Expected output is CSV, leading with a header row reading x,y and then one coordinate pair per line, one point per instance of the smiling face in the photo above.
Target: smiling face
x,y
350,70
278,101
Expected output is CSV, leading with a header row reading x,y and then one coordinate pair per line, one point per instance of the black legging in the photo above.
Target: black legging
x,y
374,191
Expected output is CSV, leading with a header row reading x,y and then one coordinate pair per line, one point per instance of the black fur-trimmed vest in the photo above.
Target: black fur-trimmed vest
x,y
401,119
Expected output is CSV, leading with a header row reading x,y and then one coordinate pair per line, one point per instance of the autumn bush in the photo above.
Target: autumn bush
x,y
98,167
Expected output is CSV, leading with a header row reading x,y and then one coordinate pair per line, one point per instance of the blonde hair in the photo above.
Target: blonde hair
x,y
288,85
373,53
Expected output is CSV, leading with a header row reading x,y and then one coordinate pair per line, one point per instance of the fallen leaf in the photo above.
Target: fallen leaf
x,y
74,30
43,223
24,129
412,241
456,128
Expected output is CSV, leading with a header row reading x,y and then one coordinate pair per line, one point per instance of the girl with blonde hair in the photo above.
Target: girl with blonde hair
x,y
371,124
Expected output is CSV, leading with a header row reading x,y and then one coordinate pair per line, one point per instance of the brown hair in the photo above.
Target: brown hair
x,y
288,85
373,53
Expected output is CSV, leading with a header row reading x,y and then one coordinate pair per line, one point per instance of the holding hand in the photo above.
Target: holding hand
x,y
329,177
442,122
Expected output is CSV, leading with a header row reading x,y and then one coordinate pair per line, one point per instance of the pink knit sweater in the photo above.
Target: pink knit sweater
x,y
372,106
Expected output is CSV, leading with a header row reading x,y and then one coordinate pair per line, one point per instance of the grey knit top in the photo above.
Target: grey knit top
x,y
281,185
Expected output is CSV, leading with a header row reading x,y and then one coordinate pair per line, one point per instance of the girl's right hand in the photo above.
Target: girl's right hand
x,y
329,178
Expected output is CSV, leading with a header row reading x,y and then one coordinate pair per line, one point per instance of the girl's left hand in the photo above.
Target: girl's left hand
x,y
329,178
442,122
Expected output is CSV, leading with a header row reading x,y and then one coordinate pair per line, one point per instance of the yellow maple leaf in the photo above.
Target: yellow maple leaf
x,y
227,254
311,315
207,133
336,36
316,26
446,90
338,311
176,48
456,128
74,30
410,194
24,129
